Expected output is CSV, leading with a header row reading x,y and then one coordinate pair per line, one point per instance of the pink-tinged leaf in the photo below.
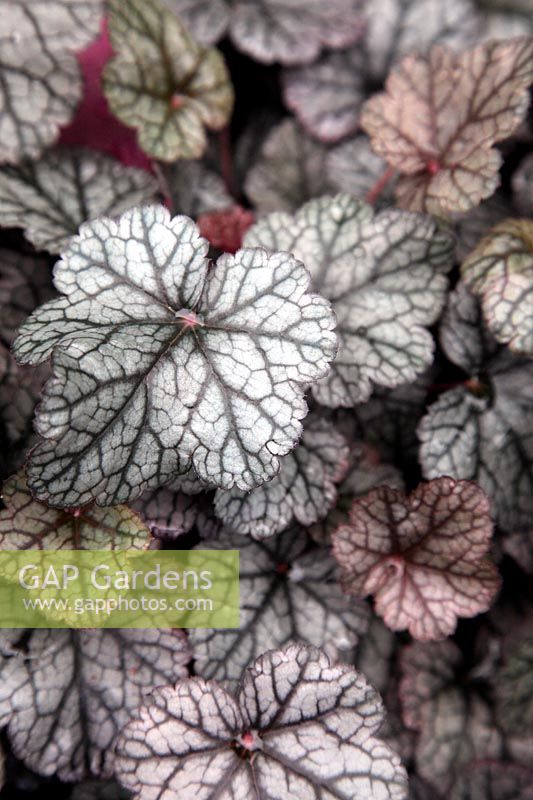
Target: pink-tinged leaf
x,y
93,125
66,694
445,704
493,780
299,726
327,96
225,229
422,557
439,117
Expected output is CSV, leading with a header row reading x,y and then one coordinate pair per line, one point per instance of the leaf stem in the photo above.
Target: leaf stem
x,y
226,160
379,185
164,188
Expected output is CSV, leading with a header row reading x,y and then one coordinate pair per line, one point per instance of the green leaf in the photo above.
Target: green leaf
x,y
162,82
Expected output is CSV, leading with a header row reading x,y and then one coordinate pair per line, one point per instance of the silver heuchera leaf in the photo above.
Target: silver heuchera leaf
x,y
294,31
159,363
290,169
354,168
40,81
304,490
422,557
460,430
289,592
500,272
298,724
327,96
173,510
382,273
195,188
68,696
454,722
162,82
398,27
52,197
26,524
206,20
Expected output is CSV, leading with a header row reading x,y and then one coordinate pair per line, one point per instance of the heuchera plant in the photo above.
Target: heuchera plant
x,y
266,285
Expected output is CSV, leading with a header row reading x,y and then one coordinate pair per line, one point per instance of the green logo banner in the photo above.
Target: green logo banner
x,y
119,589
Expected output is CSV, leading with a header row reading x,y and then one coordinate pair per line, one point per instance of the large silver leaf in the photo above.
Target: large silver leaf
x,y
159,363
162,82
40,81
68,694
299,727
383,275
289,592
304,490
52,197
293,31
290,169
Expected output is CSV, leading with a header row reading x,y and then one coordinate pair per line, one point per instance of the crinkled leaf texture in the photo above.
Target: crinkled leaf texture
x,y
441,114
162,82
290,169
68,694
298,727
327,96
289,592
304,490
26,524
454,722
422,557
494,407
52,197
294,31
40,81
382,273
160,361
500,272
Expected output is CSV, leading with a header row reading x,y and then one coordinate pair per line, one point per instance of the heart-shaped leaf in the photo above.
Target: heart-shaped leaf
x,y
52,197
454,721
40,82
289,171
294,31
162,82
441,114
176,363
494,405
500,272
298,724
382,275
289,591
26,524
423,557
304,490
67,694
327,96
